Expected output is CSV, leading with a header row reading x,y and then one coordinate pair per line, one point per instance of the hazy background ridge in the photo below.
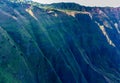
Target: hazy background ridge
x,y
112,3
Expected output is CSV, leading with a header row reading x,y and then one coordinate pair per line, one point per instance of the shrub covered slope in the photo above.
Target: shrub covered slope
x,y
58,43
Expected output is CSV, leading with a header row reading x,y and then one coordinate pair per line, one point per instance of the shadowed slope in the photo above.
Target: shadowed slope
x,y
44,45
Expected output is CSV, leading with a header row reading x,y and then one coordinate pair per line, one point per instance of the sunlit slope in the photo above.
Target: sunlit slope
x,y
44,45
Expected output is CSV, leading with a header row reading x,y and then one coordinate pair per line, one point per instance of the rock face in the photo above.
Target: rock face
x,y
51,45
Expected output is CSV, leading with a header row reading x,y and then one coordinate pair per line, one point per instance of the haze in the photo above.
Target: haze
x,y
111,3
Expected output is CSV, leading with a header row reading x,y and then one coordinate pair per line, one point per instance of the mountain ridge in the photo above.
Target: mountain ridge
x,y
42,44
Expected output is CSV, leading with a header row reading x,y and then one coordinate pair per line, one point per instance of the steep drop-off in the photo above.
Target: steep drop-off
x,y
57,44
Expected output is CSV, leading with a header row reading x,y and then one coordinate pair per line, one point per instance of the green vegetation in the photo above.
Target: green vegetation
x,y
48,44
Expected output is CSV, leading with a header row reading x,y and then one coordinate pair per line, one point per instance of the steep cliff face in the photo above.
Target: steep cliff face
x,y
51,45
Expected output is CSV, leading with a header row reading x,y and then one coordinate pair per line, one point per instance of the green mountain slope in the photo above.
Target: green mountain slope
x,y
44,44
